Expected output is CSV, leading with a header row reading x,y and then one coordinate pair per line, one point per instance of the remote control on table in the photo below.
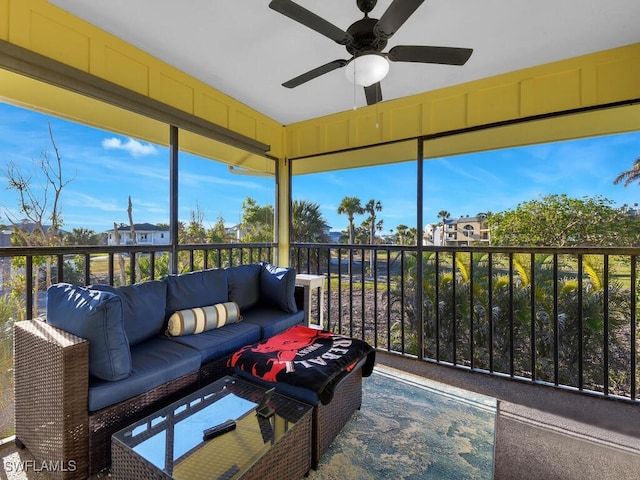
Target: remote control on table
x,y
218,430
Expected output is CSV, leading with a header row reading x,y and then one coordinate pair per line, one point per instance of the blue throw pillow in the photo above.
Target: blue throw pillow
x,y
196,289
277,287
143,308
244,285
95,316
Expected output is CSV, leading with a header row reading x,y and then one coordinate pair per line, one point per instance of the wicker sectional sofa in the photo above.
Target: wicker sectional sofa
x,y
102,358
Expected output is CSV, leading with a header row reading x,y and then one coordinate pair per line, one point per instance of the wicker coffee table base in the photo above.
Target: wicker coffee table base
x,y
286,455
329,420
290,458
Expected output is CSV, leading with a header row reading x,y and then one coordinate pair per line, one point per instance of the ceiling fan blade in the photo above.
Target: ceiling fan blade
x,y
397,13
311,20
424,54
316,72
373,93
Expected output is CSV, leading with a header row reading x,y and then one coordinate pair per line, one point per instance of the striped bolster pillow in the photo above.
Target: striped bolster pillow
x,y
198,320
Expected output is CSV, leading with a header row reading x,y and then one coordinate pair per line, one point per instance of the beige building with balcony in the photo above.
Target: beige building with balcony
x,y
459,232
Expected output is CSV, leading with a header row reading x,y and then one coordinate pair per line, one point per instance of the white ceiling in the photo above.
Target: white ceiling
x,y
246,50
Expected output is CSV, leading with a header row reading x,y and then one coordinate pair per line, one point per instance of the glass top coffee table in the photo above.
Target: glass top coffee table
x,y
169,444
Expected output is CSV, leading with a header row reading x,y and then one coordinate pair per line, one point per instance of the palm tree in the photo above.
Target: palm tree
x,y
629,176
412,233
350,206
308,225
401,232
371,208
443,214
81,236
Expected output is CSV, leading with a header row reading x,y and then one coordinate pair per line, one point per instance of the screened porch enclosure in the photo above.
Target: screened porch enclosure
x,y
553,329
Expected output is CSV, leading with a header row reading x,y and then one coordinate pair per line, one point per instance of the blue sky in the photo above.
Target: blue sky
x,y
105,168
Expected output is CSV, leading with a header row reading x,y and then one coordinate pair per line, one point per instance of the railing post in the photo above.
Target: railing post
x,y
580,323
512,313
532,284
556,327
420,242
87,268
28,272
634,346
437,304
490,310
388,300
454,319
60,273
471,313
605,338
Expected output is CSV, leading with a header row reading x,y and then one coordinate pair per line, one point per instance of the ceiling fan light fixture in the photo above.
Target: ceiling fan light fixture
x,y
367,69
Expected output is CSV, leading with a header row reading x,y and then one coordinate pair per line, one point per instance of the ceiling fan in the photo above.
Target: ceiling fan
x,y
365,39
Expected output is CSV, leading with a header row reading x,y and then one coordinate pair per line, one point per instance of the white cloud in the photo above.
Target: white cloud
x,y
133,147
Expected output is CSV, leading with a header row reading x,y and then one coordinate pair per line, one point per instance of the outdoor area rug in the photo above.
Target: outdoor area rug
x,y
413,428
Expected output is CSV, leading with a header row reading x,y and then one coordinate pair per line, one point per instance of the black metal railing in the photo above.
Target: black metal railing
x,y
24,270
562,317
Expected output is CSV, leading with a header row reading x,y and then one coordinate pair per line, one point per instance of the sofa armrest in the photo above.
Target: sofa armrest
x,y
51,370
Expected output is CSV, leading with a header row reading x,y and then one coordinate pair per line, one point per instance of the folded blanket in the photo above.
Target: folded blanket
x,y
305,357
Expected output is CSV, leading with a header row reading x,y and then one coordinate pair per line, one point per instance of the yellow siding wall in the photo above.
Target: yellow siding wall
x,y
596,79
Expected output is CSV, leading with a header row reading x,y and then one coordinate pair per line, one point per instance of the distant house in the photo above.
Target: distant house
x,y
335,236
5,237
146,234
463,231
235,231
28,227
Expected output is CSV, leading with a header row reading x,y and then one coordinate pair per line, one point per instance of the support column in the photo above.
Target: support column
x,y
173,197
283,211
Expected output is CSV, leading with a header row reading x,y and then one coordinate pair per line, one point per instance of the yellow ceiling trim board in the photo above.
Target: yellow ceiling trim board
x,y
596,79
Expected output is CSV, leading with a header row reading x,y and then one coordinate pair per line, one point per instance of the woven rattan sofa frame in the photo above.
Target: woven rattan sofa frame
x,y
51,370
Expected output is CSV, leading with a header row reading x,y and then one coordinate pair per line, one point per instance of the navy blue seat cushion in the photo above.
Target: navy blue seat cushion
x,y
95,316
244,285
196,289
143,308
154,362
277,287
219,342
272,320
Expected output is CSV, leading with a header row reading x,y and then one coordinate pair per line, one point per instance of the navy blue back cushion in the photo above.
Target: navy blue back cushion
x,y
95,316
143,308
196,289
277,287
244,285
